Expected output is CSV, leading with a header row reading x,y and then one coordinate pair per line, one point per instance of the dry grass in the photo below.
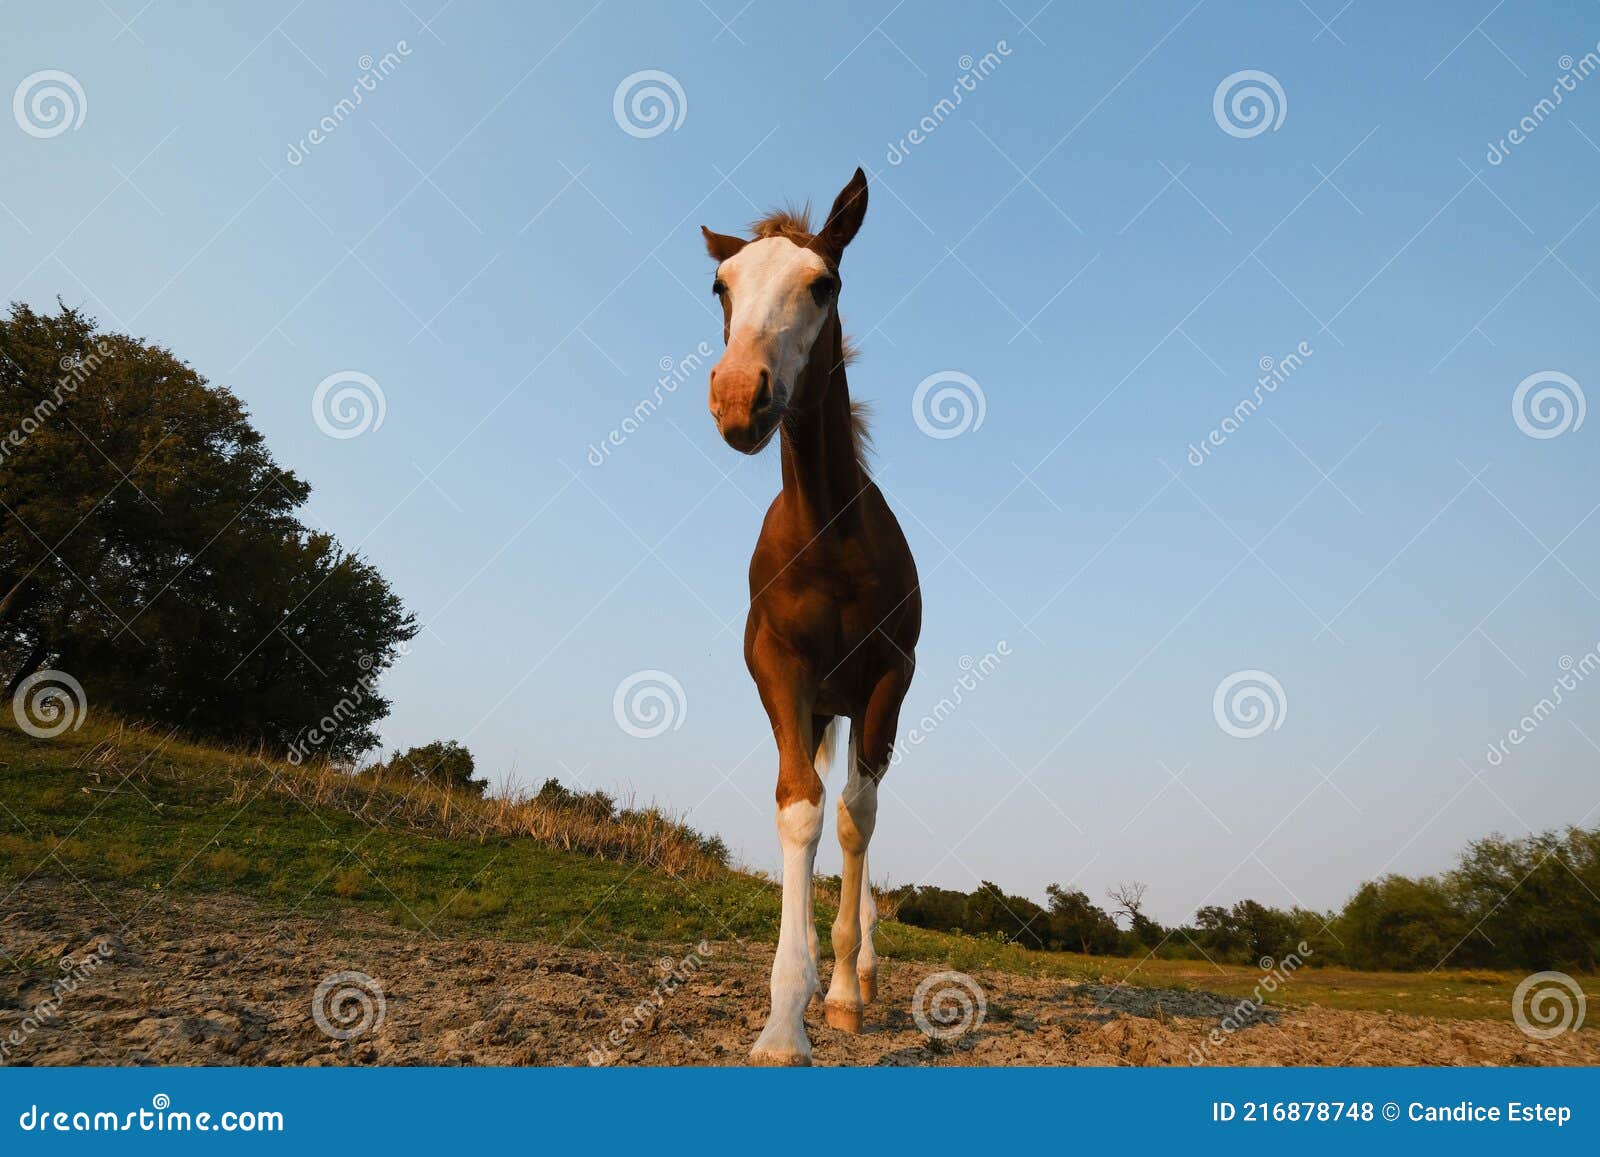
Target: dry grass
x,y
116,754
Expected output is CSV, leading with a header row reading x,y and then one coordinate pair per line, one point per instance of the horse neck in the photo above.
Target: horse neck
x,y
821,474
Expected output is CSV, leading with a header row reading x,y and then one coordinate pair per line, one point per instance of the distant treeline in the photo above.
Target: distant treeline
x,y
1528,903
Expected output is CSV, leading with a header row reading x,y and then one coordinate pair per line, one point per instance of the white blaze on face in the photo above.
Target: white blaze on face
x,y
775,317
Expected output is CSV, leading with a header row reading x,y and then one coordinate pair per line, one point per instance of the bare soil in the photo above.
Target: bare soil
x,y
222,980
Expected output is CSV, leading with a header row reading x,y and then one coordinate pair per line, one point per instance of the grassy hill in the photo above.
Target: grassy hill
x,y
150,810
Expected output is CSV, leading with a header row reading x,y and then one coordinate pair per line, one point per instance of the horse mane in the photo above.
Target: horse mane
x,y
793,223
788,221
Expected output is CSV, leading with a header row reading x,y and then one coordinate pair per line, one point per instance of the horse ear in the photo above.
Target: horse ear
x,y
844,219
721,246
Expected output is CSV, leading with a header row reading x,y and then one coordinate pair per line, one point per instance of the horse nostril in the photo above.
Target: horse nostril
x,y
764,393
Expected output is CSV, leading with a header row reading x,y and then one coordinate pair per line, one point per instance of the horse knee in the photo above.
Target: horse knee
x,y
858,814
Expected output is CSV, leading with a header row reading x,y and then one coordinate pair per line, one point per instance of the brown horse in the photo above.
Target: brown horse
x,y
834,605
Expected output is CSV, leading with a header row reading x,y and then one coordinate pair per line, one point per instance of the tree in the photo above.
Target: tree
x,y
1264,931
991,911
1533,899
1078,924
443,763
1129,899
149,547
1215,930
937,908
1400,923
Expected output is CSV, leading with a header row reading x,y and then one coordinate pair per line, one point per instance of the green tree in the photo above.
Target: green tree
x,y
1216,932
1536,900
937,908
1400,923
1077,924
989,911
149,546
1266,933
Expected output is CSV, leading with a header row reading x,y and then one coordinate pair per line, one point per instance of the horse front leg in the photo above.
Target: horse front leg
x,y
783,1040
824,734
855,962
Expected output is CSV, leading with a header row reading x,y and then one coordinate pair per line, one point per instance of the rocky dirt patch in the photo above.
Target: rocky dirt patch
x,y
221,980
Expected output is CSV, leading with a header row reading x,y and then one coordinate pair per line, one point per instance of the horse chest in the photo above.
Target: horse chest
x,y
825,602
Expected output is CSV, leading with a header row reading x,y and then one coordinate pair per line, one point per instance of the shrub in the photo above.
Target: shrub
x,y
442,763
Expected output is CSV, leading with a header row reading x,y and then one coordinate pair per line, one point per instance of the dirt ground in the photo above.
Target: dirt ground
x,y
220,980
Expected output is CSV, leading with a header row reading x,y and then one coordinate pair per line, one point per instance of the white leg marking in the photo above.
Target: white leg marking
x,y
867,961
812,947
827,751
794,976
858,812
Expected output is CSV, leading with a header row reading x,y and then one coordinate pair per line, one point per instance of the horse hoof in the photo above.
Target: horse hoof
x,y
843,1017
769,1059
869,987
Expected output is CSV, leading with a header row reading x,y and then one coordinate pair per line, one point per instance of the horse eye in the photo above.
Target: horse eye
x,y
719,287
823,289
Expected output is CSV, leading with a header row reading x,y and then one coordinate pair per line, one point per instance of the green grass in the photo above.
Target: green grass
x,y
1467,994
117,805
191,818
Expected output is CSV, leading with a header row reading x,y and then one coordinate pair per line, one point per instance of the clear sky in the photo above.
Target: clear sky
x,y
1103,253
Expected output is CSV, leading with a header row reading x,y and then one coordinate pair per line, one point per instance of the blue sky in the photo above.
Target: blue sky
x,y
1081,237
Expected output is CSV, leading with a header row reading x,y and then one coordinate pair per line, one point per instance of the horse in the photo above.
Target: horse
x,y
835,609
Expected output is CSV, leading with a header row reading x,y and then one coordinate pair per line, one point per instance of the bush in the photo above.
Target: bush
x,y
593,804
441,763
